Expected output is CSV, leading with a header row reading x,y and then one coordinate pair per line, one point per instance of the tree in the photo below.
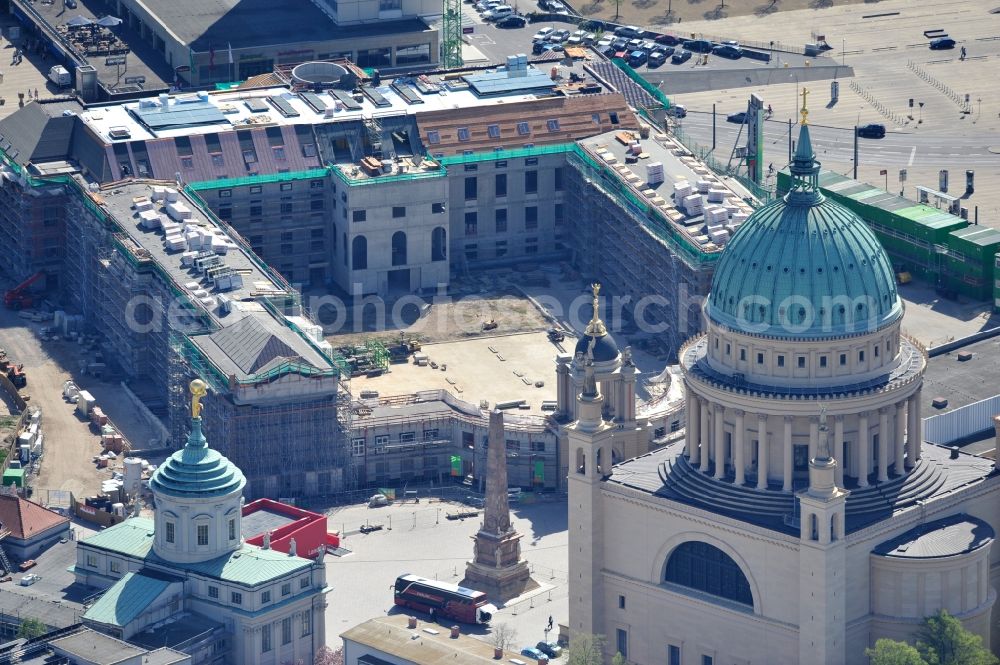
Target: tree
x,y
890,652
586,649
944,641
503,636
327,656
619,659
30,628
618,6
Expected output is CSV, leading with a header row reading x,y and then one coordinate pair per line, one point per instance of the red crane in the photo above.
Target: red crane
x,y
19,297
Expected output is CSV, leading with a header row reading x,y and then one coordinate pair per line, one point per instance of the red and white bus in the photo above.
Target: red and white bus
x,y
443,600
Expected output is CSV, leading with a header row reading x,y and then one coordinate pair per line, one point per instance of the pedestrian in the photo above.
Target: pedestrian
x,y
36,93
963,54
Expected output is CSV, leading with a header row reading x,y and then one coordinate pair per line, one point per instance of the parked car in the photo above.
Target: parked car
x,y
559,36
603,44
378,500
486,5
550,649
532,653
557,7
70,4
699,45
30,579
681,56
539,48
543,34
677,111
728,51
871,131
499,12
628,31
634,44
637,58
738,118
657,58
942,43
620,44
669,40
512,22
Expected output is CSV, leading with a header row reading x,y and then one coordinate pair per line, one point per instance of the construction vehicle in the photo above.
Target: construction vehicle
x,y
19,297
398,353
556,335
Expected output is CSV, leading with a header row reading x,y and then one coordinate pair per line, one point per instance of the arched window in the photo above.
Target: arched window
x,y
439,244
359,253
706,568
399,248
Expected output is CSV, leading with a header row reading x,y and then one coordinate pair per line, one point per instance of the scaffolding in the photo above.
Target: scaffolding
x,y
378,353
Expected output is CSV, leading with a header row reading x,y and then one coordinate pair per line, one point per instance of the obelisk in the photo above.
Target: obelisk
x,y
497,567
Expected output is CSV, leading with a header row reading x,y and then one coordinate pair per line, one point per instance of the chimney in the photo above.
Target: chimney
x,y
455,632
411,622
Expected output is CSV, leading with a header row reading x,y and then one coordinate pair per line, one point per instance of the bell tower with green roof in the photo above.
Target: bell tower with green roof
x,y
199,498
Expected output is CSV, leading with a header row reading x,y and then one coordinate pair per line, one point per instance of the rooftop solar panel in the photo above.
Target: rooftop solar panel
x,y
178,115
375,96
407,93
345,99
314,101
284,108
256,105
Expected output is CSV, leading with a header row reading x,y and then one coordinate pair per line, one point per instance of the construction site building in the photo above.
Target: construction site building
x,y
375,188
279,406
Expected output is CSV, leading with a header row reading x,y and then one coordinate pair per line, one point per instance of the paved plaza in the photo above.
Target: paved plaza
x,y
423,542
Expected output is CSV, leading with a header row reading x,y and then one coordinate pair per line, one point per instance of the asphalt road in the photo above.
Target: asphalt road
x,y
897,149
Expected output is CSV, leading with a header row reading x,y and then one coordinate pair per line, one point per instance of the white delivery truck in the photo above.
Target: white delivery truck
x,y
60,76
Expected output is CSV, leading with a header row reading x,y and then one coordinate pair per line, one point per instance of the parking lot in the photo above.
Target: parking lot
x,y
496,43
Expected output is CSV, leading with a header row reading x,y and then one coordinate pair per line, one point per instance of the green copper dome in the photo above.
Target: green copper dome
x,y
804,266
197,471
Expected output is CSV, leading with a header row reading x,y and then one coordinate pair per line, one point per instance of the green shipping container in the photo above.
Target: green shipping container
x,y
13,477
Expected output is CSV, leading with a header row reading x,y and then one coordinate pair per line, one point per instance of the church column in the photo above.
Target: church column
x,y
898,440
738,436
883,444
838,449
813,436
693,425
915,430
864,437
705,437
761,451
786,483
720,442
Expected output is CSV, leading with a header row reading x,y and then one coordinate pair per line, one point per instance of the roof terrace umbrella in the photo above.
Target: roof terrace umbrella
x,y
78,22
109,21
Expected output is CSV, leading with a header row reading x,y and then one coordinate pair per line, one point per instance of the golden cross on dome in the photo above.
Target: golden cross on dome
x,y
804,110
198,390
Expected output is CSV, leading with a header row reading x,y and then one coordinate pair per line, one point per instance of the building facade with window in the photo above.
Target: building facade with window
x,y
802,518
187,576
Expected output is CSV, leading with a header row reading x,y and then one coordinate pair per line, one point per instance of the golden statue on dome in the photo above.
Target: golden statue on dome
x,y
596,327
198,390
804,111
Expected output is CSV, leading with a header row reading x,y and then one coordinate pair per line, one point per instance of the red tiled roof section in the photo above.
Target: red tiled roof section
x,y
26,519
578,116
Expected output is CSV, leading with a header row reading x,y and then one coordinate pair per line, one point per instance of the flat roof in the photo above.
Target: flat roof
x,y
951,536
242,23
142,60
962,382
96,647
250,339
427,644
232,110
263,520
678,165
183,627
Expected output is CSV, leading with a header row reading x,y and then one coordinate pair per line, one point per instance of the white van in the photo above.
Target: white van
x,y
513,494
499,12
